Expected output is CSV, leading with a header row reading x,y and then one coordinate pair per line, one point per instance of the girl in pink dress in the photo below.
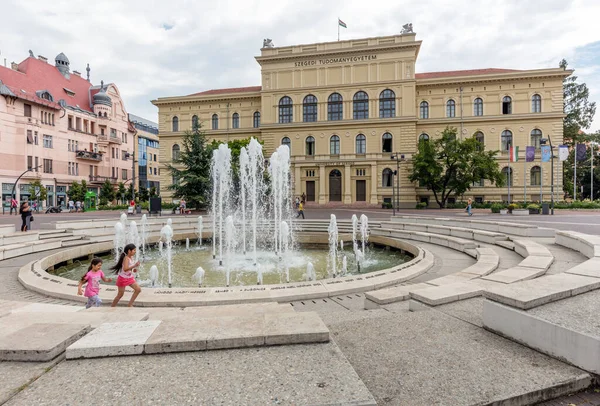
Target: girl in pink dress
x,y
126,267
92,280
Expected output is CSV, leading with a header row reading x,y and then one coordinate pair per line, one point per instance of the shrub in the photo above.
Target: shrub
x,y
512,206
496,207
533,206
386,205
457,205
421,205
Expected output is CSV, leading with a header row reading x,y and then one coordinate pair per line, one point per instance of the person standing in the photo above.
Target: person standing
x,y
300,210
182,206
13,206
469,203
25,212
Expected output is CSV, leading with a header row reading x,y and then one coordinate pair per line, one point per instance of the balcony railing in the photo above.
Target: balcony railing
x,y
101,179
93,156
106,138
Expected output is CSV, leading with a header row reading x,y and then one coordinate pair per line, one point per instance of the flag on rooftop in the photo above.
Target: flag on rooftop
x,y
341,23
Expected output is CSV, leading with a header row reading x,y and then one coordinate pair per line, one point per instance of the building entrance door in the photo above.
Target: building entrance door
x,y
310,191
335,186
361,190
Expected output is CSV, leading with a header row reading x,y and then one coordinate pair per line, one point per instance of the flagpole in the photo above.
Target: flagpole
x,y
525,178
575,175
541,182
509,176
338,28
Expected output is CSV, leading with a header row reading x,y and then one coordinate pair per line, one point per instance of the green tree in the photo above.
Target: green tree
x,y
449,166
153,191
121,191
144,195
107,192
579,111
38,191
75,192
191,170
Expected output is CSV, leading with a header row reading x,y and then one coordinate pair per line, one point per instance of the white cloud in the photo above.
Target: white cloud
x,y
163,48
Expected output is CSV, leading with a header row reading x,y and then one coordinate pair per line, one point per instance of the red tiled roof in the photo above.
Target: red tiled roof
x,y
33,75
228,90
451,73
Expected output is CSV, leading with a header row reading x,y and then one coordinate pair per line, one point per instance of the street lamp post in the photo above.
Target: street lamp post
x,y
397,157
14,196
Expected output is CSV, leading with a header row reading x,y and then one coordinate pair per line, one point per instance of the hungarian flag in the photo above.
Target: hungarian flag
x,y
514,154
341,23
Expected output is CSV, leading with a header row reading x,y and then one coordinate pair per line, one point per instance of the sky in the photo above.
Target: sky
x,y
152,49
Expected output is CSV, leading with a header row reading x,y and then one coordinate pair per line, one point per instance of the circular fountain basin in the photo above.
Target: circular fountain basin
x,y
244,272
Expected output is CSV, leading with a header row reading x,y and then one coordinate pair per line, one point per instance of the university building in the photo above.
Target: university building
x,y
57,127
353,111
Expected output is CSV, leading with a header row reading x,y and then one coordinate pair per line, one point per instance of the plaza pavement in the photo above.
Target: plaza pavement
x,y
387,356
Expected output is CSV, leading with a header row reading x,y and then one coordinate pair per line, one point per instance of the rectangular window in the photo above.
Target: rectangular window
x,y
35,138
113,172
47,165
29,162
76,168
47,141
124,174
37,164
113,152
124,155
113,133
27,110
29,137
70,170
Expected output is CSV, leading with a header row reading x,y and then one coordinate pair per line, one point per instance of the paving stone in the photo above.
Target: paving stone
x,y
536,292
93,319
40,342
235,331
515,274
438,295
46,308
298,328
394,294
534,261
113,339
591,267
458,277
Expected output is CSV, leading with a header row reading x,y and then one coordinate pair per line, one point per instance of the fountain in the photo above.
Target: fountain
x,y
200,229
134,238
187,244
230,242
310,272
154,275
279,169
160,247
354,233
285,233
166,233
333,244
221,175
199,276
364,232
144,233
344,266
119,239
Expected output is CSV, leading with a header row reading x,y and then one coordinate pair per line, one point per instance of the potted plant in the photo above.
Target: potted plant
x,y
421,205
512,207
533,208
496,207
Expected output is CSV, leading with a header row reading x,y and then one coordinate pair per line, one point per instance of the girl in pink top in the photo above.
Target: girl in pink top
x,y
92,281
126,267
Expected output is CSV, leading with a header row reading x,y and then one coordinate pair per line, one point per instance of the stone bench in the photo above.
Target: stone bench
x,y
461,232
200,334
537,260
532,293
459,244
588,245
6,229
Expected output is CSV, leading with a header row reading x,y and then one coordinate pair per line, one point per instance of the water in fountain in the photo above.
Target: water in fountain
x,y
244,169
119,238
170,222
354,233
160,247
230,243
166,233
285,234
187,244
154,275
341,245
255,181
310,272
200,229
279,169
134,238
221,176
144,233
364,232
333,244
344,265
199,276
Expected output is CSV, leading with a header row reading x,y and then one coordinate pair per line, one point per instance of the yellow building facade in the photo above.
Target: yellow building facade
x,y
353,111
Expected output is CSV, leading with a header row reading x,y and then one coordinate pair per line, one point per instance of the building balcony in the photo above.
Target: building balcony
x,y
27,120
102,179
109,139
89,155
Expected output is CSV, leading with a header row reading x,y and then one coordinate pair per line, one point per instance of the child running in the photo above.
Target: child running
x,y
92,278
126,269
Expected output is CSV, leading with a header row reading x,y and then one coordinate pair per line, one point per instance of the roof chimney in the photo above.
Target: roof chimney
x,y
43,58
77,73
14,66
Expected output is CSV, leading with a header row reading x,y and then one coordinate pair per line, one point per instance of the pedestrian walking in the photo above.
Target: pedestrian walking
x,y
300,210
71,206
14,206
91,280
468,209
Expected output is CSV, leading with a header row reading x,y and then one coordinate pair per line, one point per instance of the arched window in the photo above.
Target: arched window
x,y
536,103
175,123
423,138
256,119
195,123
286,110
361,144
360,106
334,145
215,122
536,137
508,175
175,152
387,104
506,139
310,145
478,107
286,141
386,140
309,109
450,108
506,105
424,110
235,120
387,178
105,114
536,176
335,107
480,138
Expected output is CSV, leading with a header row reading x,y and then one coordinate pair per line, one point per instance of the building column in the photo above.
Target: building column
x,y
322,191
347,187
297,181
374,183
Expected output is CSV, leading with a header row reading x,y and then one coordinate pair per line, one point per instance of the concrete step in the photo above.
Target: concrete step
x,y
200,334
506,244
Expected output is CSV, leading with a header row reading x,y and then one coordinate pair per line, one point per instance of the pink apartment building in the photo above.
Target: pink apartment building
x,y
57,127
